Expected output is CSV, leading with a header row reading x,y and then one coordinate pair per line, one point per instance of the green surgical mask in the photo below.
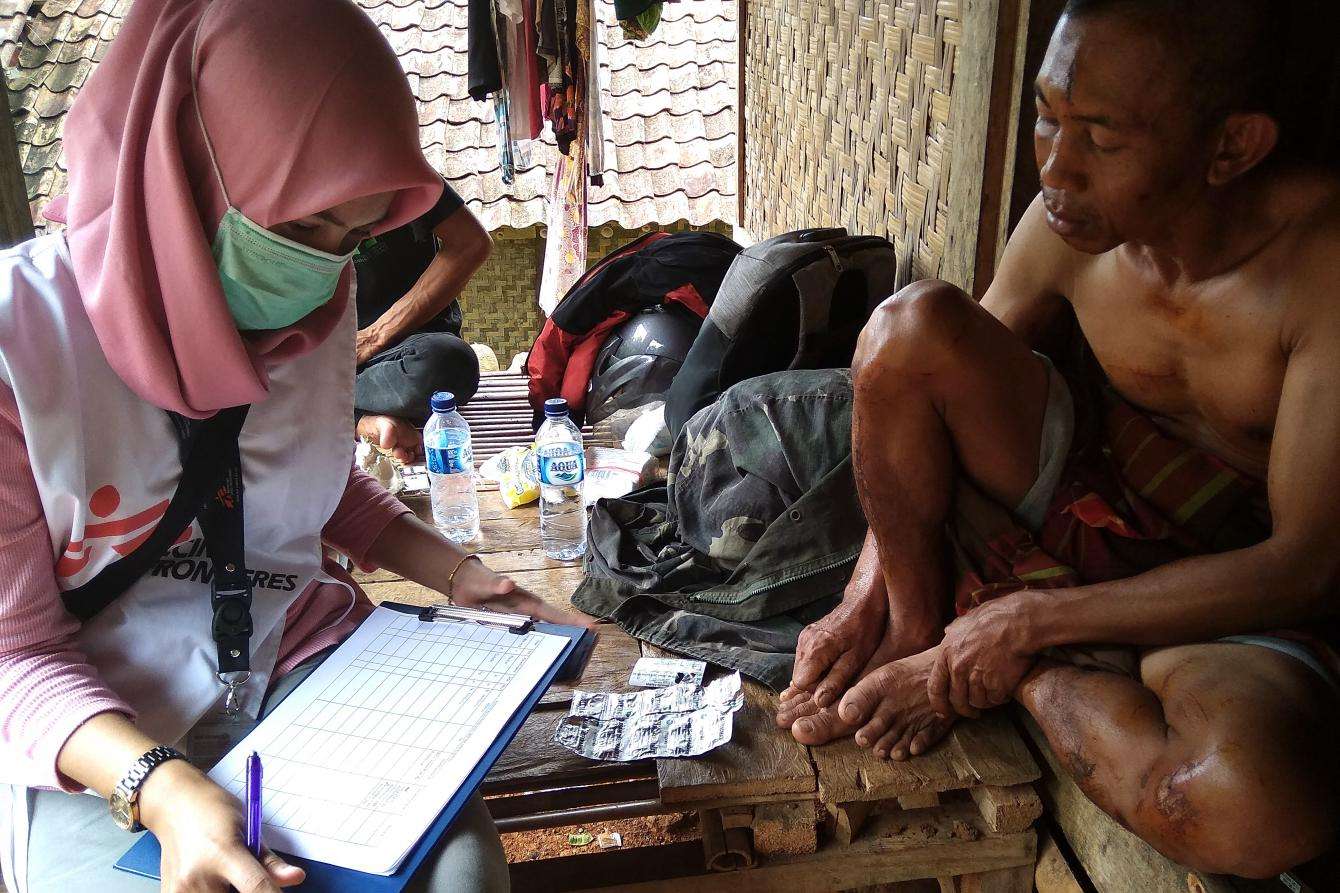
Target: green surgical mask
x,y
271,282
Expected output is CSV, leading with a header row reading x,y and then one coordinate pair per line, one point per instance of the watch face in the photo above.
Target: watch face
x,y
121,811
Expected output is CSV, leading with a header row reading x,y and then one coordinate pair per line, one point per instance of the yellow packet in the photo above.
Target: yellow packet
x,y
518,480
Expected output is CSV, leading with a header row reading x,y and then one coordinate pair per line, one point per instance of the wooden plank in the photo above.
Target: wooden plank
x,y
1053,874
760,759
919,800
533,761
893,851
1007,809
611,867
1115,860
984,751
572,796
1018,879
849,819
508,534
502,562
785,829
741,91
554,586
723,802
16,222
610,665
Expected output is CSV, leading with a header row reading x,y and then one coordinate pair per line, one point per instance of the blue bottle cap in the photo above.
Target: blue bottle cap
x,y
443,401
556,408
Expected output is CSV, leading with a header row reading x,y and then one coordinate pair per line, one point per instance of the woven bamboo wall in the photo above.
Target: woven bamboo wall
x,y
847,120
499,303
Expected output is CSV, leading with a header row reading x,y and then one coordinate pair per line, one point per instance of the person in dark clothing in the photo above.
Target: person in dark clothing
x,y
409,322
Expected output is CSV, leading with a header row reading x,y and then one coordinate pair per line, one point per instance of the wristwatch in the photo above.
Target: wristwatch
x,y
125,799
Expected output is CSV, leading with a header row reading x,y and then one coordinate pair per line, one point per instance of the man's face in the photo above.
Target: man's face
x,y
1117,144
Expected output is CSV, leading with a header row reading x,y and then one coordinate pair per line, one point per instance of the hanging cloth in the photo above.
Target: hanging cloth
x,y
546,47
517,46
595,115
565,248
483,59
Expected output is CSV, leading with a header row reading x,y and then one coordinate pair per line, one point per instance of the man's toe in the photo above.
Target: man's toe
x,y
860,701
819,728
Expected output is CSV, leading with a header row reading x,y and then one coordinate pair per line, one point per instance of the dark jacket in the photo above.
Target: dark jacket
x,y
754,535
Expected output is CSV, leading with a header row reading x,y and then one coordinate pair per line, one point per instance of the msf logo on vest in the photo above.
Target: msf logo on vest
x,y
121,536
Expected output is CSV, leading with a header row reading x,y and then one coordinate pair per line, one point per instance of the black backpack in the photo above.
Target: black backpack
x,y
796,301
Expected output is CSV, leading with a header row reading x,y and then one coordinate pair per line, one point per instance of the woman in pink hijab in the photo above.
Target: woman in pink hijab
x,y
224,160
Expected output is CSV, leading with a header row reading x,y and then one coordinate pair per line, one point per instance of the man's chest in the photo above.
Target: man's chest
x,y
1209,361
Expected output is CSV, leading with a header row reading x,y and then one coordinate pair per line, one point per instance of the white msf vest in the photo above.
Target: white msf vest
x,y
106,464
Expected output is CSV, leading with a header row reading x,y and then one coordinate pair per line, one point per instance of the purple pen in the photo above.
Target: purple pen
x,y
254,804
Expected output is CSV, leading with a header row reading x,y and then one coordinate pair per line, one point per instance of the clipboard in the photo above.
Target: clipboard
x,y
143,858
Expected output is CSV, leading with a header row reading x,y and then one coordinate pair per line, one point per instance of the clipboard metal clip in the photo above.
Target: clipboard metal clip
x,y
514,623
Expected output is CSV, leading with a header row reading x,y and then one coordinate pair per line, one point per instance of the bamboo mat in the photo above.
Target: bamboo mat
x,y
500,415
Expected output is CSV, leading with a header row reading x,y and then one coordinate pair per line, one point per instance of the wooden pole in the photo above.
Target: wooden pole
x,y
984,109
16,223
741,59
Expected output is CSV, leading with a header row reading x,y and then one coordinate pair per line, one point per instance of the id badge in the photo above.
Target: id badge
x,y
214,735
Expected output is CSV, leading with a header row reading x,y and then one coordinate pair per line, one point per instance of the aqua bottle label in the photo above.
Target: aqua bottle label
x,y
454,456
562,465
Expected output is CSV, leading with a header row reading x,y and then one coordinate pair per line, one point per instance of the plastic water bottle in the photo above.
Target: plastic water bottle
x,y
451,470
562,467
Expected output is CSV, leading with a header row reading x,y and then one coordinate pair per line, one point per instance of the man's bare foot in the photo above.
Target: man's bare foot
x,y
847,644
890,710
836,647
813,723
393,435
798,702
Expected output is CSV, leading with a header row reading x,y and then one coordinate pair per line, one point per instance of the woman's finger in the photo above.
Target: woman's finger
x,y
240,868
282,873
521,601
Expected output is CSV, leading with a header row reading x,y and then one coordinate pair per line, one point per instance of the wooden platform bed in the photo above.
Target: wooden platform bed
x,y
786,816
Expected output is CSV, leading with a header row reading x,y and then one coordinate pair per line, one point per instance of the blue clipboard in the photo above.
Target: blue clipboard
x,y
143,858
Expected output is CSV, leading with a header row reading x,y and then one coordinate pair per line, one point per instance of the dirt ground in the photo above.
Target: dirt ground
x,y
549,843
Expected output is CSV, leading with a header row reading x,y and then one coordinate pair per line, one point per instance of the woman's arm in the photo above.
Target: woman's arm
x,y
47,688
199,824
60,726
377,530
416,551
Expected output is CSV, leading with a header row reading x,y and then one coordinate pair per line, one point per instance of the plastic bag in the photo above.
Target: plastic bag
x,y
514,471
612,473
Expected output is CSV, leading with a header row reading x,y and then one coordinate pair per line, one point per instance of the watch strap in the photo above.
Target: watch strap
x,y
129,786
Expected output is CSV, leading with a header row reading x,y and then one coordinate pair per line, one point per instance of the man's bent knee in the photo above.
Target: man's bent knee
x,y
1225,819
916,330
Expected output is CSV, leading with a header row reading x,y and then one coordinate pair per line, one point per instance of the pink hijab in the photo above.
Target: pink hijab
x,y
307,108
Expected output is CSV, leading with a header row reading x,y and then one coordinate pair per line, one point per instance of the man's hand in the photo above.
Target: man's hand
x,y
392,435
475,586
200,828
984,656
369,343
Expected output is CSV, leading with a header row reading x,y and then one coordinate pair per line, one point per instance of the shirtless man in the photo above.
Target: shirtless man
x,y
1202,270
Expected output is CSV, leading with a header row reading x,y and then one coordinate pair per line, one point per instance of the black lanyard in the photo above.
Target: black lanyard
x,y
220,516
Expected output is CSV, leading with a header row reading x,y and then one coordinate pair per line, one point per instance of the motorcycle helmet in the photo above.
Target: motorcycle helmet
x,y
639,359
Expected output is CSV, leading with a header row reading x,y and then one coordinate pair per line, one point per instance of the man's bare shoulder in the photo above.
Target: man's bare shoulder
x,y
1310,267
1050,261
